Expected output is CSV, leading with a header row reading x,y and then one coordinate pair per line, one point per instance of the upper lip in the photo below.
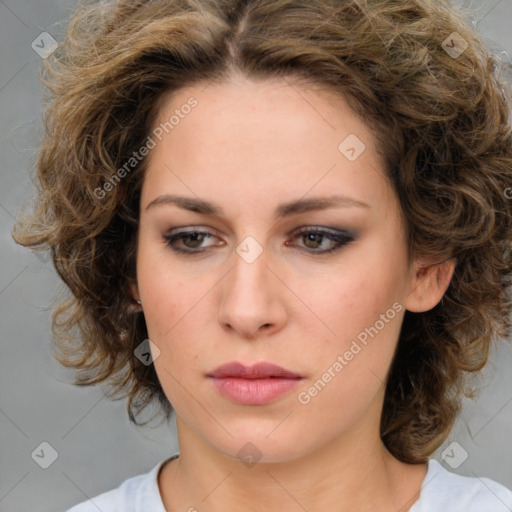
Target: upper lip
x,y
256,371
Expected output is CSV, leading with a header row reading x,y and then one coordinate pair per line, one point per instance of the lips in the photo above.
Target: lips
x,y
259,384
261,370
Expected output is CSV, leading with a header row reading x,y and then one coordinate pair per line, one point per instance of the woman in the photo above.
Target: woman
x,y
289,220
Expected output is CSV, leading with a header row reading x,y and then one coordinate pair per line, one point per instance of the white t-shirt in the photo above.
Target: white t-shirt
x,y
441,491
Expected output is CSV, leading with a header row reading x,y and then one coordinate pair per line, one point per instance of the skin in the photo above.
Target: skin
x,y
248,147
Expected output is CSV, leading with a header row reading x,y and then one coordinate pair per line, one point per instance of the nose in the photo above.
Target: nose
x,y
252,298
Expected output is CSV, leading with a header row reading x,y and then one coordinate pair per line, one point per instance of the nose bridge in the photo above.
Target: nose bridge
x,y
250,298
250,265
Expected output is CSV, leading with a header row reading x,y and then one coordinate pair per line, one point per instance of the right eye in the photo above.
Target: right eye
x,y
185,241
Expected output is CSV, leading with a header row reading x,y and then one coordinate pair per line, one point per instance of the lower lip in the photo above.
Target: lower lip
x,y
253,391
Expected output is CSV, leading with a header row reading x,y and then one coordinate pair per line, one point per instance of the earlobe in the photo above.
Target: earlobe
x,y
134,293
134,289
429,285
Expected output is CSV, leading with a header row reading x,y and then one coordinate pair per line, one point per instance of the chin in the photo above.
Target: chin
x,y
249,448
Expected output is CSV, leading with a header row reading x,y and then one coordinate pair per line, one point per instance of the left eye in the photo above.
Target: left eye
x,y
313,240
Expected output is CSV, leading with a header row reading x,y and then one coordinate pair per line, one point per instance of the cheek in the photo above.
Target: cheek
x,y
364,308
165,295
350,368
170,314
355,297
173,310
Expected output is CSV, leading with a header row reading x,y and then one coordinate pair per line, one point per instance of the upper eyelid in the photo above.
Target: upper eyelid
x,y
212,231
334,232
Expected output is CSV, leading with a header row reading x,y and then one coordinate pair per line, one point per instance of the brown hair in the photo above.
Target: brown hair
x,y
441,121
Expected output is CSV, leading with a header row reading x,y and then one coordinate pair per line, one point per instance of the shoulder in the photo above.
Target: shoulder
x,y
444,490
136,494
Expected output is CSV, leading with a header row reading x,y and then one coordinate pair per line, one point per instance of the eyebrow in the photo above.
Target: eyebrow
x,y
283,210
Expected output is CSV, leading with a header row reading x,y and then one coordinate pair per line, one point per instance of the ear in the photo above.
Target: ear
x,y
428,285
133,290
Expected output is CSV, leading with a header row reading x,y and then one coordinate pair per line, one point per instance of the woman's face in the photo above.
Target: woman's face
x,y
269,233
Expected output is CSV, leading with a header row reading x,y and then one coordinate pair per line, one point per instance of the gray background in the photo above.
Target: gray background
x,y
97,447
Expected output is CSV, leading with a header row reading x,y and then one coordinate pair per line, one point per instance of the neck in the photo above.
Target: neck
x,y
349,473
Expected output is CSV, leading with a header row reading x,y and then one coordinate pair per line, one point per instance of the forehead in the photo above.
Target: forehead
x,y
258,141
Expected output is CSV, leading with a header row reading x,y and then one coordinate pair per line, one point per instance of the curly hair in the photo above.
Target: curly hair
x,y
441,122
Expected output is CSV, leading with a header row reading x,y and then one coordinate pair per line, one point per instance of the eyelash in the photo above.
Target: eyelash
x,y
341,238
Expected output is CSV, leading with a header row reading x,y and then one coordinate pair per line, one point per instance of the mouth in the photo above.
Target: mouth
x,y
258,384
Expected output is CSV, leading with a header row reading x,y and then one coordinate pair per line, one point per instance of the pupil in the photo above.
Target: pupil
x,y
312,237
195,237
